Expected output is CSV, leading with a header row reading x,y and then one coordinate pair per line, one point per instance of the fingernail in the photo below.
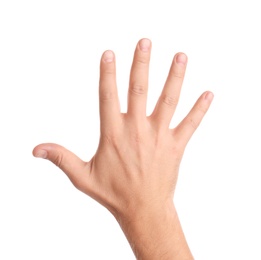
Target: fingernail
x,y
209,96
181,58
41,154
108,56
145,44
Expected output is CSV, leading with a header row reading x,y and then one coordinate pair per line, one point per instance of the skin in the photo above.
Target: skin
x,y
135,168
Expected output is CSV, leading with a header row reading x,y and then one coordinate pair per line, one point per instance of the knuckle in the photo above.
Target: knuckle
x,y
108,70
141,61
137,89
137,138
109,138
58,160
177,73
169,100
78,184
106,96
201,109
192,123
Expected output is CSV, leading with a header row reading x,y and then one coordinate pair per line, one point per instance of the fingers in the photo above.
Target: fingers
x,y
68,162
138,86
190,123
169,97
108,95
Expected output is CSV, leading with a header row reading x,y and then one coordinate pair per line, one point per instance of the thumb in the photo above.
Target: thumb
x,y
76,169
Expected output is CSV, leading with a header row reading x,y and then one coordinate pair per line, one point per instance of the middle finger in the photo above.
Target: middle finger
x,y
138,86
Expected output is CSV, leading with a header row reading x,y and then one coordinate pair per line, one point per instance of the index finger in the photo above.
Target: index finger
x,y
108,94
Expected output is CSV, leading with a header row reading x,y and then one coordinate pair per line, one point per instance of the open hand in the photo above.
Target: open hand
x,y
136,164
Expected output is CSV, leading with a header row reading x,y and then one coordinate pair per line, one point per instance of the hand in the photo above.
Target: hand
x,y
135,168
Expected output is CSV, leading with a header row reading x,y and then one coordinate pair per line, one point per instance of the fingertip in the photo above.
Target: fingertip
x,y
181,58
145,44
38,152
45,150
108,56
208,96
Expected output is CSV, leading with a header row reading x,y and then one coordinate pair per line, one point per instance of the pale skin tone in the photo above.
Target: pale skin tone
x,y
135,168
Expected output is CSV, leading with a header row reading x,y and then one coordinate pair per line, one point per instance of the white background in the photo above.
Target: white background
x,y
49,71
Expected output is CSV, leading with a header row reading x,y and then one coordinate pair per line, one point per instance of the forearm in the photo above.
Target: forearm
x,y
156,234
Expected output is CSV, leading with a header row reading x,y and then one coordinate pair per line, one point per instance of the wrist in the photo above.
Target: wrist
x,y
155,232
147,213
